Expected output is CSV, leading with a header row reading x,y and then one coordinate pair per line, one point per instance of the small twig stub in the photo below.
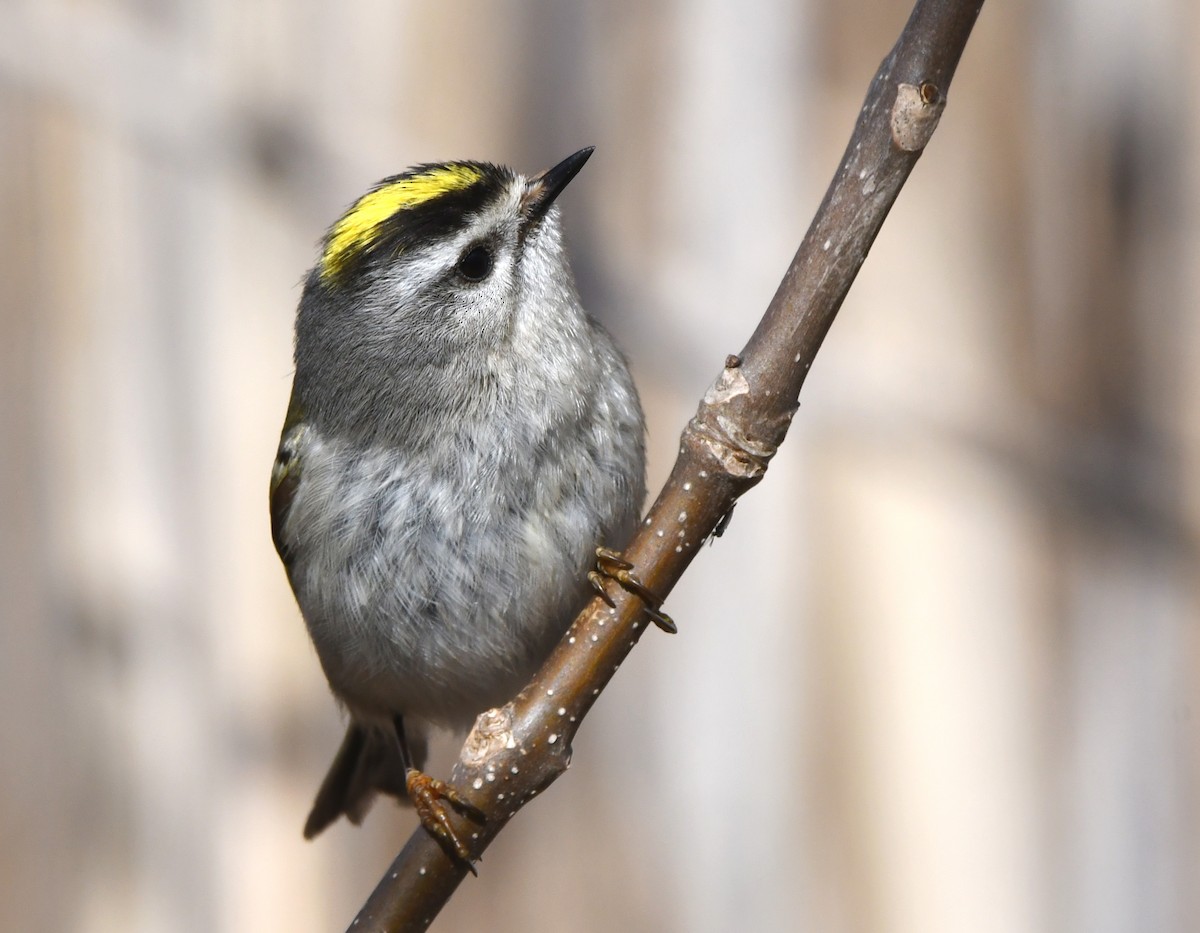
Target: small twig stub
x,y
915,115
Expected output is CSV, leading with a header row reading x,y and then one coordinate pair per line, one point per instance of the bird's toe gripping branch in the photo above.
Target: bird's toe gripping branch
x,y
429,797
611,565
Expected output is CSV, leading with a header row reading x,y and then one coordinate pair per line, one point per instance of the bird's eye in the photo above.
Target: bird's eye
x,y
476,263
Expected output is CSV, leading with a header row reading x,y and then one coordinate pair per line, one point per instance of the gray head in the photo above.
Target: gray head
x,y
424,286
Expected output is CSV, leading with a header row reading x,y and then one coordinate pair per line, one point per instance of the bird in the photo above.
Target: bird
x,y
461,438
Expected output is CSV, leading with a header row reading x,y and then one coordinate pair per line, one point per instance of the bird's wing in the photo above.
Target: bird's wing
x,y
285,478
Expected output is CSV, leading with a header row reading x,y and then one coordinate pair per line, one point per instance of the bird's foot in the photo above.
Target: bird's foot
x,y
429,797
611,565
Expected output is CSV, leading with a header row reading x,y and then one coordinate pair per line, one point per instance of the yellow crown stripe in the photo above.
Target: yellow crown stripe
x,y
361,224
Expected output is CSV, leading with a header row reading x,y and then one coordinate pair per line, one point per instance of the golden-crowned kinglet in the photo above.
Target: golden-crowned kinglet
x,y
461,436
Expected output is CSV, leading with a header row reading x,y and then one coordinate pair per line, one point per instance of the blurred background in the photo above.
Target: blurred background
x,y
939,675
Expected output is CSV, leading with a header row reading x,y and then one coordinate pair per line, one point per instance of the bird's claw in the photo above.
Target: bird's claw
x,y
611,565
429,796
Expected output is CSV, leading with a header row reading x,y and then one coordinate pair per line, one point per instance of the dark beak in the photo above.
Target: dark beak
x,y
543,188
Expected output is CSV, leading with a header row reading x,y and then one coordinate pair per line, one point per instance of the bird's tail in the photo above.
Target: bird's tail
x,y
368,763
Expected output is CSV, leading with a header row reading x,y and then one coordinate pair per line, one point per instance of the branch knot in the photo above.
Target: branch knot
x,y
722,434
915,114
493,733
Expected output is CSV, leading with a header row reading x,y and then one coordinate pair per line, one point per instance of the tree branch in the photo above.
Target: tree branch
x,y
516,751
